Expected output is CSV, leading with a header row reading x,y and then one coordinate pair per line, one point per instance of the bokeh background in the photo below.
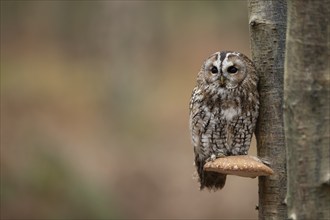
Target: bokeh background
x,y
94,109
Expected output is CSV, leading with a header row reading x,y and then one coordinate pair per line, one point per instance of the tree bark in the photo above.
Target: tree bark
x,y
267,21
307,110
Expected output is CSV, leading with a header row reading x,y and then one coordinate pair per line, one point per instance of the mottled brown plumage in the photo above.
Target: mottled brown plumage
x,y
223,112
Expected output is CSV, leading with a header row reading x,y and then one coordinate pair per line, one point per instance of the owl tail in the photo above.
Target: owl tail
x,y
210,180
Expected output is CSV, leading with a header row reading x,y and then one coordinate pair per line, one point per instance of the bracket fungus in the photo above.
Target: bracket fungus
x,y
243,165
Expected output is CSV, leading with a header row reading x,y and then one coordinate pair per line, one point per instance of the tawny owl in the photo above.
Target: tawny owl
x,y
223,112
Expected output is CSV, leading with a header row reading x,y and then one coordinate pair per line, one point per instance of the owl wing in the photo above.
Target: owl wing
x,y
195,120
242,128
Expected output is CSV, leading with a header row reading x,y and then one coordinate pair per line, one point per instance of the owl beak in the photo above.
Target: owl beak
x,y
222,80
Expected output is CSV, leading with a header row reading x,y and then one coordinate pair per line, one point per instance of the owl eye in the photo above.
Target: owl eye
x,y
232,69
214,69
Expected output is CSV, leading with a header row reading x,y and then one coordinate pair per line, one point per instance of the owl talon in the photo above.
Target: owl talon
x,y
211,158
220,155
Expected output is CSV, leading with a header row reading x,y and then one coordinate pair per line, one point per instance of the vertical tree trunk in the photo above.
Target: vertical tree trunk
x,y
267,21
307,110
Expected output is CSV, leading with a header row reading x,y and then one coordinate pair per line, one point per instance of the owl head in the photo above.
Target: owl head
x,y
227,70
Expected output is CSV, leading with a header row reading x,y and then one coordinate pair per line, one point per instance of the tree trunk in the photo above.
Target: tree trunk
x,y
267,21
307,110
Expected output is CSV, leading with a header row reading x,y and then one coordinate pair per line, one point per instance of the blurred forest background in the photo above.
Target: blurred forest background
x,y
94,108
